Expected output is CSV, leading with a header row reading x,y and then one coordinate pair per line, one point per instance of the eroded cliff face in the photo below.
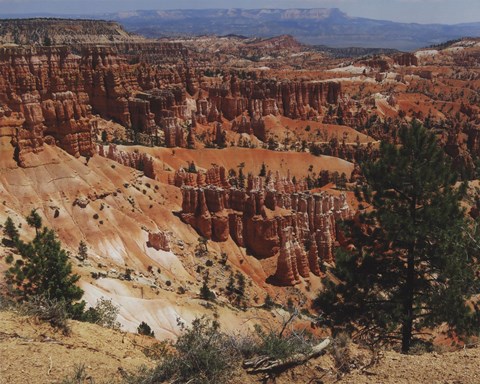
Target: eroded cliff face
x,y
49,95
136,160
293,99
38,103
268,218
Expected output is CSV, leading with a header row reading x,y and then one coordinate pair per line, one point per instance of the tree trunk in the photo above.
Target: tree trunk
x,y
407,322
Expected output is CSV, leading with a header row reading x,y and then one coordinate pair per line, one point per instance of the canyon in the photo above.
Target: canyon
x,y
176,159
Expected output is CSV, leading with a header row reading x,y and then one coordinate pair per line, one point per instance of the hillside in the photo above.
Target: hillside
x,y
34,352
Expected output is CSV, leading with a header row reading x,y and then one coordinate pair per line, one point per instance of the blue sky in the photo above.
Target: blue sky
x,y
420,11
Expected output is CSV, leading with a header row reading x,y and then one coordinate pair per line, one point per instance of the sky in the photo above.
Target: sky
x,y
415,11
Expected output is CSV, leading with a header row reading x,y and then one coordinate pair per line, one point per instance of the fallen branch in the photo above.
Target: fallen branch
x,y
266,364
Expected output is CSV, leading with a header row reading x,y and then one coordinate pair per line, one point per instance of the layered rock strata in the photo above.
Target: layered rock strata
x,y
267,218
293,99
48,94
136,160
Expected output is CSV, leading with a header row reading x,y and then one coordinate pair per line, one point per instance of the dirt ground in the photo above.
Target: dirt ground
x,y
32,352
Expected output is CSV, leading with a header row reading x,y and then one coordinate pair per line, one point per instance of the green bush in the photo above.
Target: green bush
x,y
204,355
279,346
104,313
44,271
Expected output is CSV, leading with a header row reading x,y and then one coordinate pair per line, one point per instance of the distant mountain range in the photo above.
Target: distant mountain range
x,y
320,26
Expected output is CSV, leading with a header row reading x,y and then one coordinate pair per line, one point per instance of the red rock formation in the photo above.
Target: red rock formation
x,y
235,222
182,177
377,62
287,268
166,102
68,120
159,241
256,126
261,98
141,119
55,91
217,212
174,133
136,160
406,59
313,258
220,136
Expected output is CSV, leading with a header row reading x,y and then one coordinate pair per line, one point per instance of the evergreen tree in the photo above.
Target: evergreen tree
x,y
412,267
10,230
268,303
231,284
241,179
44,270
263,170
241,284
82,251
205,292
342,181
144,329
192,168
34,220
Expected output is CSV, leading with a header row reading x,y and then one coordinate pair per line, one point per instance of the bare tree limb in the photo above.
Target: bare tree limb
x,y
266,364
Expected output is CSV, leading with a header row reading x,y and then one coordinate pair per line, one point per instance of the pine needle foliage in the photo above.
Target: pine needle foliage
x,y
44,270
413,266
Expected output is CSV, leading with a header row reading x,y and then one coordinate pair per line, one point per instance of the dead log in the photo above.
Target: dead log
x,y
266,364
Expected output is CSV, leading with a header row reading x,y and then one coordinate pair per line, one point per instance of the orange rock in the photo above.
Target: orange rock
x,y
159,241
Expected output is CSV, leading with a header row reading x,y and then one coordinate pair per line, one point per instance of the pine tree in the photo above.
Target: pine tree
x,y
241,178
192,168
412,268
144,329
44,270
231,284
82,251
263,170
34,220
241,284
205,292
10,230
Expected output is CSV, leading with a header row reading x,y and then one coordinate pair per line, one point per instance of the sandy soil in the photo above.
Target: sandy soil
x,y
32,352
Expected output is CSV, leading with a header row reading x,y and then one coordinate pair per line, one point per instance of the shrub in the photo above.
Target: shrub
x,y
204,355
52,311
268,303
144,329
104,313
82,251
278,346
79,376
